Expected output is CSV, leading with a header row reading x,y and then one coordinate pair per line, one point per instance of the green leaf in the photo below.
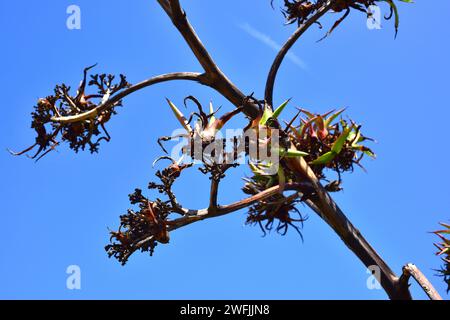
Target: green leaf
x,y
266,115
325,158
330,120
255,169
309,114
370,153
397,17
211,111
180,116
364,150
280,109
292,153
354,137
262,169
339,143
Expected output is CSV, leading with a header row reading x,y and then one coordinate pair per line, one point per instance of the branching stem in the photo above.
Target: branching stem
x,y
192,76
321,203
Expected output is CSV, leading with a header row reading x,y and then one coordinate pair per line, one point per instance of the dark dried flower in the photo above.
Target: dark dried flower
x,y
301,10
298,10
51,114
142,229
145,228
277,210
203,132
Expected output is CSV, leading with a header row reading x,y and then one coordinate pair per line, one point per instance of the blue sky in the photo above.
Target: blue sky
x,y
55,213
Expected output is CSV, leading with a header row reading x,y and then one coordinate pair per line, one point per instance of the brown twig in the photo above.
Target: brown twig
x,y
192,216
213,194
410,270
215,78
202,214
192,76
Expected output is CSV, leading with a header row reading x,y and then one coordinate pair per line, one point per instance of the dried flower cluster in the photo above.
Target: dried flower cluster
x,y
78,134
144,229
323,140
203,133
324,144
149,221
330,144
301,10
278,209
444,252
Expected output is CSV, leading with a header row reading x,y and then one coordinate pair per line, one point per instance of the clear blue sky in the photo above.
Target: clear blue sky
x,y
397,89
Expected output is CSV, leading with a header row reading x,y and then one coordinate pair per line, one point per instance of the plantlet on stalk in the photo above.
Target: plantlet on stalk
x,y
205,128
329,144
